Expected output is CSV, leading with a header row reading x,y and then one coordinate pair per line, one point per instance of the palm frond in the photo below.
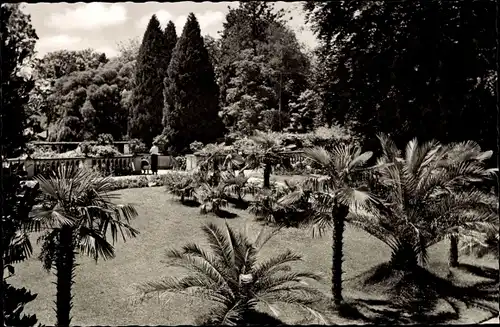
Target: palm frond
x,y
319,155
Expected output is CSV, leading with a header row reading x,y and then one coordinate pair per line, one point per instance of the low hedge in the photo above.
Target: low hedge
x,y
137,181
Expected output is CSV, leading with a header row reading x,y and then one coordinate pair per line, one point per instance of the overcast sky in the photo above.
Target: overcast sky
x,y
102,25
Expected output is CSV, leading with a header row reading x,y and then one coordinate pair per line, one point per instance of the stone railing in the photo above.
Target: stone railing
x,y
35,166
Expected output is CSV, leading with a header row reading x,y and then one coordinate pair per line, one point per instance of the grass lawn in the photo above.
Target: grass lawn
x,y
101,292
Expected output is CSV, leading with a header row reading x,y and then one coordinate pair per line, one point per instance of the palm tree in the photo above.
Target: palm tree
x,y
211,198
270,152
423,200
218,157
181,185
237,185
76,216
231,277
469,152
270,206
332,198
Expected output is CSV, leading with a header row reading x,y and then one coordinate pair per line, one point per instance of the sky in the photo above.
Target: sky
x,y
101,26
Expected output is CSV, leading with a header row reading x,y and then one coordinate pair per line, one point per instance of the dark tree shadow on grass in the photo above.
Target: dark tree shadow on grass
x,y
190,203
237,203
412,297
481,271
226,214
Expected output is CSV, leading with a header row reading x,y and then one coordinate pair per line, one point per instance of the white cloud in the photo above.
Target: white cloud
x,y
179,24
206,20
109,51
88,16
58,42
162,15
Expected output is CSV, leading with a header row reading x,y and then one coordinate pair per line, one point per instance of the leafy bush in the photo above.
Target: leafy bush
x,y
105,139
274,120
104,151
85,148
180,162
196,146
137,146
137,182
270,208
211,198
181,185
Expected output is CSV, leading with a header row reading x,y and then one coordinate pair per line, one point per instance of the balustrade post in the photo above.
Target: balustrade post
x,y
87,163
29,165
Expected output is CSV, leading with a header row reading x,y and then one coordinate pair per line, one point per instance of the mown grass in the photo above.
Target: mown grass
x,y
101,292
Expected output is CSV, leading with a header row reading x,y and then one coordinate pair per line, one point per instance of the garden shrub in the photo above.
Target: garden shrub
x,y
137,182
137,146
104,151
85,148
105,139
180,163
196,146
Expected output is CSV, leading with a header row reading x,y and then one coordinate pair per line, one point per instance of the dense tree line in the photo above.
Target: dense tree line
x,y
89,102
421,69
261,66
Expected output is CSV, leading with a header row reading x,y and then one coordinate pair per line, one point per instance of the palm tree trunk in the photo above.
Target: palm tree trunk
x,y
65,266
339,214
267,175
453,254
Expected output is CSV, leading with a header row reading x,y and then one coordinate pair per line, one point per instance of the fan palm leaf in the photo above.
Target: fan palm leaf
x,y
76,216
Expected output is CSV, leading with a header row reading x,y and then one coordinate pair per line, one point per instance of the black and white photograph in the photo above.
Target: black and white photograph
x,y
249,163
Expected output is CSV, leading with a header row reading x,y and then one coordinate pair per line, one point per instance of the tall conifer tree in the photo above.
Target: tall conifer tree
x,y
191,92
147,97
170,42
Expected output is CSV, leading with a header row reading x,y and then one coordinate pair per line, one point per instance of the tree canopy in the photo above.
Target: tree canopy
x,y
191,92
17,49
421,69
147,98
262,68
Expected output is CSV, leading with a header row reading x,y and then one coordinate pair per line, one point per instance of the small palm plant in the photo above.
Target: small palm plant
x,y
212,199
270,153
180,185
77,213
231,277
287,206
237,185
332,197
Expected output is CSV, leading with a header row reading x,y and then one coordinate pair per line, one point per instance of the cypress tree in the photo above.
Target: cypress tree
x,y
170,42
191,92
147,96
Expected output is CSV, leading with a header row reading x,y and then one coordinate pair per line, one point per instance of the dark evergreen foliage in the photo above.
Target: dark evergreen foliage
x,y
17,46
147,99
18,43
170,42
422,69
191,93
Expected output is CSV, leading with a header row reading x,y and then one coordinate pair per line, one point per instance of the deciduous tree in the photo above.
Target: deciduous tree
x,y
410,68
